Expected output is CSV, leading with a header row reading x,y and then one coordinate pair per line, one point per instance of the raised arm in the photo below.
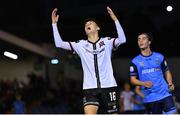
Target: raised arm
x,y
121,36
57,38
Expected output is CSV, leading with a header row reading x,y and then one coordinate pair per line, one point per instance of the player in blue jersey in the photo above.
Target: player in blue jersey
x,y
150,72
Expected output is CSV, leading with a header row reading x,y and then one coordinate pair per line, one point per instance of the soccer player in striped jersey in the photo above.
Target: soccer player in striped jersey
x,y
150,72
99,85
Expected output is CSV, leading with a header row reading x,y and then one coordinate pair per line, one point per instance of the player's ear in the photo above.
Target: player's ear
x,y
98,28
149,42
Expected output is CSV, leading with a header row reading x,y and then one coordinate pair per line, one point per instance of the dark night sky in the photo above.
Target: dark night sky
x,y
30,19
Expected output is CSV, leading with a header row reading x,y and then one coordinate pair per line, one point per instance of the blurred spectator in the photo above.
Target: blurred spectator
x,y
18,105
126,99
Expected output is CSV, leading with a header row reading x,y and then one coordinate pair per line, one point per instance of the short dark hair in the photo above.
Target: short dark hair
x,y
91,19
148,35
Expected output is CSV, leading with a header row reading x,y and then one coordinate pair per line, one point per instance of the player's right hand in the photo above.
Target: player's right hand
x,y
171,87
148,84
54,16
111,13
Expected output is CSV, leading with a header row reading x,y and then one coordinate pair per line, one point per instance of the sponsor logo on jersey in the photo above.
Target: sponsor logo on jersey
x,y
151,70
95,51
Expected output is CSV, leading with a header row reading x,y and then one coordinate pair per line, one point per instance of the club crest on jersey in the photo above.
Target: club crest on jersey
x,y
141,64
101,44
157,61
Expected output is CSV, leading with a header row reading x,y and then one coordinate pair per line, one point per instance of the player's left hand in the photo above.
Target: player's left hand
x,y
54,16
111,13
171,87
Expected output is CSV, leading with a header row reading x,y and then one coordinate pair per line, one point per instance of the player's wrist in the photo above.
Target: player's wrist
x,y
115,18
170,83
54,23
142,95
143,84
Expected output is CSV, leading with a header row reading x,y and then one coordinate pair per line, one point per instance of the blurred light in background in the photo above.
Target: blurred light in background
x,y
10,55
54,61
169,8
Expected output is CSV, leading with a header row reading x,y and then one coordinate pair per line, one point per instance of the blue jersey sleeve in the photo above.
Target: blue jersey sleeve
x,y
133,70
164,65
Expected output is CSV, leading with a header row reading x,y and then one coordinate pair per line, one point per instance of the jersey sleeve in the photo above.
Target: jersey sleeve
x,y
58,40
133,70
164,65
121,36
75,46
111,42
115,42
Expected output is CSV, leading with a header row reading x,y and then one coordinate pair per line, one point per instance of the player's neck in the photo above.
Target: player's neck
x,y
146,52
93,37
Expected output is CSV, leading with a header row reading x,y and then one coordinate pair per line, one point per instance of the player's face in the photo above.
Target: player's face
x,y
91,27
127,87
143,41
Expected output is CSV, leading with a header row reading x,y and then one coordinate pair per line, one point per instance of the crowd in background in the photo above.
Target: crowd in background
x,y
39,97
